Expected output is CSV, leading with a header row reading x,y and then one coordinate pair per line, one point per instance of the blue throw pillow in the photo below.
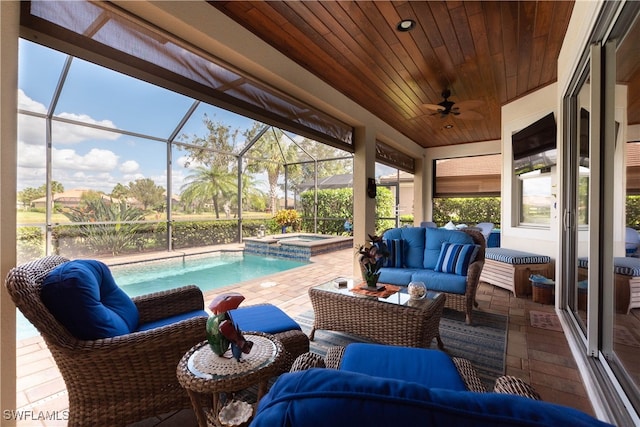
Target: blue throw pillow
x,y
396,253
455,258
83,296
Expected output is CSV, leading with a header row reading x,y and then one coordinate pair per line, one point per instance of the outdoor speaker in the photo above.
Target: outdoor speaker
x,y
371,188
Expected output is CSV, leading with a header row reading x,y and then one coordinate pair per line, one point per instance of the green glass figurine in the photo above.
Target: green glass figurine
x,y
221,331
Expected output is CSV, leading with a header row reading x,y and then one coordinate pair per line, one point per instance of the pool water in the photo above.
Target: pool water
x,y
207,272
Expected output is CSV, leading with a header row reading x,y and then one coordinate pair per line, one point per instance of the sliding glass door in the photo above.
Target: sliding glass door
x,y
601,154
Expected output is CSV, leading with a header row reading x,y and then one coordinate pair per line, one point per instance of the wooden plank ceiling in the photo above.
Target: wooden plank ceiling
x,y
487,51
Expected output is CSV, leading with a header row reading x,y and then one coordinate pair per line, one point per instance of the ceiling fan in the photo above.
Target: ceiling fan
x,y
446,108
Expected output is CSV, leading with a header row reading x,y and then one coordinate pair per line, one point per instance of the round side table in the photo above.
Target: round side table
x,y
201,371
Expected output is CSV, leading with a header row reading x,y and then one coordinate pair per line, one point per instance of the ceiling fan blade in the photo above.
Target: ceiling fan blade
x,y
434,107
469,105
469,115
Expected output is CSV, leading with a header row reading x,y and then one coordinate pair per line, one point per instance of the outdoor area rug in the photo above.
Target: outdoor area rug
x,y
483,343
545,320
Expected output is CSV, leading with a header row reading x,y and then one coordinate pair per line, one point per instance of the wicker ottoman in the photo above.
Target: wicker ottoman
x,y
270,319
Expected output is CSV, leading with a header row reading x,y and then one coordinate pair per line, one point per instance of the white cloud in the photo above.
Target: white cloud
x,y
32,129
129,167
31,156
182,162
96,160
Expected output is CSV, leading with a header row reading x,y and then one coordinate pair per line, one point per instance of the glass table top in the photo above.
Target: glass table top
x,y
399,298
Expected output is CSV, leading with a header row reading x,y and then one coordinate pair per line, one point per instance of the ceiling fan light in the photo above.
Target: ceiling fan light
x,y
406,25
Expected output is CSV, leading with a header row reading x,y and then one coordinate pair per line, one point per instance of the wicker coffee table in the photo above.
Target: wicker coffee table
x,y
395,320
202,372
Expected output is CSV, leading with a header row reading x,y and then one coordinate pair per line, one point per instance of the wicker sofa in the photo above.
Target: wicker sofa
x,y
373,384
448,261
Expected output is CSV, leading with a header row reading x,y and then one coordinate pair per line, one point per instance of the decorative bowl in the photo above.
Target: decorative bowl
x,y
417,290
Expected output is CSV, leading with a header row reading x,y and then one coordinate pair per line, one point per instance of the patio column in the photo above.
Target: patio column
x,y
9,26
364,207
422,206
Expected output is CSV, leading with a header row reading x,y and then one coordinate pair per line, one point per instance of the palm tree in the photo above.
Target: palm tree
x,y
269,154
208,184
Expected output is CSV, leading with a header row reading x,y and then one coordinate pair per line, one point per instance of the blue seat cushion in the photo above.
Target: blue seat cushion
x,y
328,397
172,319
265,318
83,296
441,282
396,276
435,237
430,368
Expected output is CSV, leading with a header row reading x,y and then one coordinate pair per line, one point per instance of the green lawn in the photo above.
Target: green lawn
x,y
24,217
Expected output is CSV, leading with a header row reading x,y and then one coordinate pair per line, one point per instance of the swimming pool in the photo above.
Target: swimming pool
x,y
211,271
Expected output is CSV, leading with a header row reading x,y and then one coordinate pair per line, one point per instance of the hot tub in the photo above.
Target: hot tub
x,y
296,246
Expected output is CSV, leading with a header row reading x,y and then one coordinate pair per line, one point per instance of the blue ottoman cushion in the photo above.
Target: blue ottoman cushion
x,y
83,296
265,318
430,368
515,257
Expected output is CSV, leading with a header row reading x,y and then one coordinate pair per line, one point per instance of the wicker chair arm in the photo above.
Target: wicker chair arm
x,y
159,305
333,358
307,361
469,374
513,385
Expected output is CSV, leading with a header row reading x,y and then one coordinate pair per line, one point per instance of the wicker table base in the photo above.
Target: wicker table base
x,y
391,320
202,372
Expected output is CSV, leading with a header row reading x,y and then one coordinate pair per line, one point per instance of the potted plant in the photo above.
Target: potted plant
x,y
287,217
373,256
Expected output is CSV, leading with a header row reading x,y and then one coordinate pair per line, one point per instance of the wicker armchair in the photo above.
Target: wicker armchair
x,y
120,380
505,384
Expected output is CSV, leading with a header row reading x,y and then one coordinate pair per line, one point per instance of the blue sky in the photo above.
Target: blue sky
x,y
84,157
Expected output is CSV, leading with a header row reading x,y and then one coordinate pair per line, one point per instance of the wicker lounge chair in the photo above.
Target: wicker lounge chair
x,y
120,380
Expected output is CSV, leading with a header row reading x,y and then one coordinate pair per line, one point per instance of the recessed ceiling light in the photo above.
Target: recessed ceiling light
x,y
449,126
406,25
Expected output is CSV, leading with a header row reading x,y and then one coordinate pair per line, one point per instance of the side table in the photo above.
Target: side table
x,y
202,372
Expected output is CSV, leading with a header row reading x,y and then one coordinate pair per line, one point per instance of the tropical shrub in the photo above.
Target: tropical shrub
x,y
106,227
467,210
30,244
336,205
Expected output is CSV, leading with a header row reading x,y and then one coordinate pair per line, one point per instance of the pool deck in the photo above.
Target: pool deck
x,y
539,356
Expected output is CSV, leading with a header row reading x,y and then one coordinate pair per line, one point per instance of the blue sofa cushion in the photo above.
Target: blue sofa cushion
x,y
83,296
441,282
430,368
396,253
413,244
396,276
265,318
455,258
435,237
172,319
329,397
